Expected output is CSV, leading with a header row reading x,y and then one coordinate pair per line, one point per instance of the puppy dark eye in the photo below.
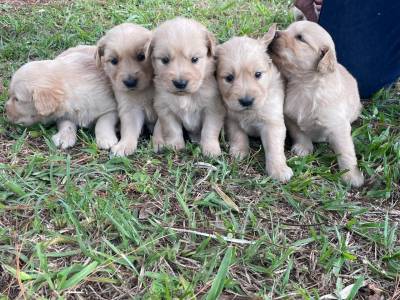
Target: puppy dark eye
x,y
165,60
300,38
195,60
141,56
114,61
16,99
258,75
230,78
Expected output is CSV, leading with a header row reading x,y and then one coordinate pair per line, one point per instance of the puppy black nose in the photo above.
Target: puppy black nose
x,y
130,82
180,84
246,101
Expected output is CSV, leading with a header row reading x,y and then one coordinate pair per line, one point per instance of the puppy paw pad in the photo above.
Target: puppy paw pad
x,y
64,140
106,142
302,149
355,178
282,174
238,153
123,149
157,148
175,145
211,149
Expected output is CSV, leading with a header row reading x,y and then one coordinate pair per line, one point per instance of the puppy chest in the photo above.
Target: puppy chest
x,y
251,127
314,128
191,120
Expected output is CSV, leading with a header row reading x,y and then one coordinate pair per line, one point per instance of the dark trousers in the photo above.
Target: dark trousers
x,y
367,38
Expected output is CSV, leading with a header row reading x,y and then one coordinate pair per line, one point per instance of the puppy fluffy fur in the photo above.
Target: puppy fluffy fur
x,y
183,51
123,54
322,97
68,90
253,93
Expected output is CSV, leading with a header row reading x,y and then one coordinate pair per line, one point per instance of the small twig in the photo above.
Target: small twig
x,y
396,293
225,238
18,207
201,291
204,165
18,270
209,167
305,225
214,230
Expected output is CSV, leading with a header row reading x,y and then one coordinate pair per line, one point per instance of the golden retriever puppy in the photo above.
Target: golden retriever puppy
x,y
186,89
253,93
123,54
68,90
322,97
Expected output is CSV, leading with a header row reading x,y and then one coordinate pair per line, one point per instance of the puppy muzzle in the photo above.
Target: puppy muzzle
x,y
130,82
246,101
180,84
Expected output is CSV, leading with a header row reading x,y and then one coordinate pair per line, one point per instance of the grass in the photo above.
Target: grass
x,y
76,224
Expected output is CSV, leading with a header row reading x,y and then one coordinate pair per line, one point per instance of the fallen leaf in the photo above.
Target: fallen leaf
x,y
343,294
226,198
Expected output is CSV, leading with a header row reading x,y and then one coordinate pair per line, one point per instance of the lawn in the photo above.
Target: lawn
x,y
76,224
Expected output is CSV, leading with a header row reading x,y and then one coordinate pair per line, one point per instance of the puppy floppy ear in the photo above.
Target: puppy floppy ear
x,y
328,60
148,47
47,100
218,50
101,45
211,44
269,36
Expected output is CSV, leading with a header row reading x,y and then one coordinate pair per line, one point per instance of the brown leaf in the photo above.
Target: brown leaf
x,y
226,198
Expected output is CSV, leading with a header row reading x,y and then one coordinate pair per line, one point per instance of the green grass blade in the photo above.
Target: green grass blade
x,y
12,186
43,264
22,275
124,257
219,280
80,276
357,285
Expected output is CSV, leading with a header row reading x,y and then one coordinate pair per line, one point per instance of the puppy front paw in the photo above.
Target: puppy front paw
x,y
159,145
211,149
176,145
354,177
64,139
281,173
302,149
106,142
123,148
238,152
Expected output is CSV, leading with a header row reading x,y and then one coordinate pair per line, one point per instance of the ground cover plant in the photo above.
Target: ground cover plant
x,y
77,224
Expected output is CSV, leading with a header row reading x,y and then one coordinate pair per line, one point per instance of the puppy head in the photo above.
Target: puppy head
x,y
182,55
123,53
35,94
303,48
244,72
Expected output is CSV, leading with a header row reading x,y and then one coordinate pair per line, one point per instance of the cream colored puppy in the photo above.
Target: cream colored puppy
x,y
186,90
123,54
322,97
253,92
68,90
